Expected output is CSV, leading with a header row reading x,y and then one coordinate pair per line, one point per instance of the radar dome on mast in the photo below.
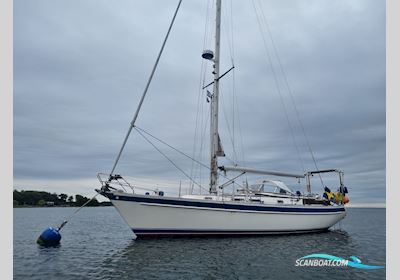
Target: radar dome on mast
x,y
207,54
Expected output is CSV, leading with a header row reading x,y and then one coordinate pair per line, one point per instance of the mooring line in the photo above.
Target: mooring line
x,y
76,211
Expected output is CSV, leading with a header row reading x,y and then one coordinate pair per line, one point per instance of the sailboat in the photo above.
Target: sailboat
x,y
260,208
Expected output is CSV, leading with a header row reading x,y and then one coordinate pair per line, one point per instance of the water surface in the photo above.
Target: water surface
x,y
97,244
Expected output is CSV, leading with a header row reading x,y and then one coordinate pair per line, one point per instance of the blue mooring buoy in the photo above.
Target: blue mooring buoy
x,y
49,237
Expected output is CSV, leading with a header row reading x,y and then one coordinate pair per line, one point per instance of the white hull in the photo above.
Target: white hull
x,y
247,212
157,216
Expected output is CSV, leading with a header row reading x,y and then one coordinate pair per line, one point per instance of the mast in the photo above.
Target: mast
x,y
214,138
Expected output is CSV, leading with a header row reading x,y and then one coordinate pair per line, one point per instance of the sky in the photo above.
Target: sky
x,y
80,68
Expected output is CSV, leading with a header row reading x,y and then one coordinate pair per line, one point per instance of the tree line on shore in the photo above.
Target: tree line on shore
x,y
42,199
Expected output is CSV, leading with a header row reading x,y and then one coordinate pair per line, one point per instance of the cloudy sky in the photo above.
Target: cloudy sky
x,y
80,68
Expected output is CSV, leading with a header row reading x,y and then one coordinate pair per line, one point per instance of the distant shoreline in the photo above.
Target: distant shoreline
x,y
58,206
378,206
42,199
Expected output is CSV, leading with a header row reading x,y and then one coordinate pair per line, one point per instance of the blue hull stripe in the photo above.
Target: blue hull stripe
x,y
228,206
170,232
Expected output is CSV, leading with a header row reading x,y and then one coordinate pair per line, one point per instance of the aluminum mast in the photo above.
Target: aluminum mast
x,y
214,138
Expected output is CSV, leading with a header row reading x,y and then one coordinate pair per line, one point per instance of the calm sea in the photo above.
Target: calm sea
x,y
97,244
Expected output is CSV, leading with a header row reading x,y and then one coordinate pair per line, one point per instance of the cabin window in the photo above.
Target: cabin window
x,y
279,201
207,197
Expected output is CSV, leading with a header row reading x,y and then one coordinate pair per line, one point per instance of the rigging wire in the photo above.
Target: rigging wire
x,y
132,124
233,79
227,125
202,150
141,130
278,86
171,161
200,103
289,89
173,148
239,125
228,32
232,54
235,103
199,116
234,163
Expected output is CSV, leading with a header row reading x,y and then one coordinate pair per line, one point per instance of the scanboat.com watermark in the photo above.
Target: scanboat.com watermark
x,y
333,261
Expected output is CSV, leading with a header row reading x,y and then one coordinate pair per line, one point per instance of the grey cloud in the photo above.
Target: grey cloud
x,y
80,68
